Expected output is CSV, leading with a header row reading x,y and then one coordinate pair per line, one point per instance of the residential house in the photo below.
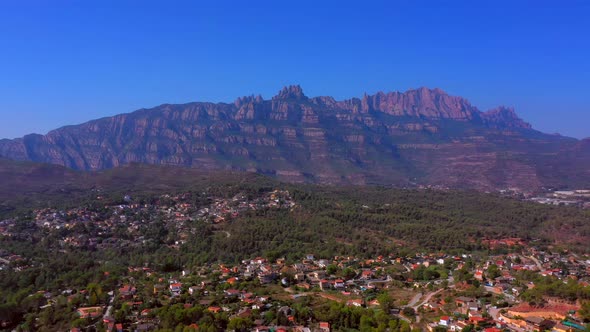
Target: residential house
x,y
232,293
176,288
214,309
325,284
126,292
355,303
89,312
339,283
366,274
324,327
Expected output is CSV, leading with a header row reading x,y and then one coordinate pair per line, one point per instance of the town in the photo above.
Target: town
x,y
512,285
435,292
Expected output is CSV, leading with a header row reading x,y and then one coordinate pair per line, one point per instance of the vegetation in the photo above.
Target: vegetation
x,y
326,221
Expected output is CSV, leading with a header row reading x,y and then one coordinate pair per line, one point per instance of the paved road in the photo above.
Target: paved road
x,y
427,298
110,307
414,300
451,281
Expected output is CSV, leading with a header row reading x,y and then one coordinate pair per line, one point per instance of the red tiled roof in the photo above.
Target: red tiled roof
x,y
492,329
214,309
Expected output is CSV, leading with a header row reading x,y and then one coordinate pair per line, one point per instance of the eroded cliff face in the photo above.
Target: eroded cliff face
x,y
421,136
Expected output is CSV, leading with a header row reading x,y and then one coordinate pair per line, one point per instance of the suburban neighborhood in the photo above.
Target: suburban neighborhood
x,y
511,286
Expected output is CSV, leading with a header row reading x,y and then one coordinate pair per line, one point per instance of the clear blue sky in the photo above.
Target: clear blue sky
x,y
66,62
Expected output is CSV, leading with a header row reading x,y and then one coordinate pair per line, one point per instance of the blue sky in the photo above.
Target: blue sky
x,y
66,62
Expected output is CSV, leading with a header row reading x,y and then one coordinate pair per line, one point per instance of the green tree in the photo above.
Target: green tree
x,y
386,302
584,311
332,269
239,324
409,312
493,271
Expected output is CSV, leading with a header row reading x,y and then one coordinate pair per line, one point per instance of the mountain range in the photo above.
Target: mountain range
x,y
418,137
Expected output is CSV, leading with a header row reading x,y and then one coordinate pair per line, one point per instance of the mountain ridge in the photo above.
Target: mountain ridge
x,y
421,136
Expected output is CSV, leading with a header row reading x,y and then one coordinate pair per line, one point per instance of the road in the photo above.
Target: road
x,y
426,299
494,312
451,281
417,300
536,262
110,307
414,300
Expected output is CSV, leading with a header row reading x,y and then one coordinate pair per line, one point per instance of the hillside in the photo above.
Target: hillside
x,y
335,217
419,137
28,184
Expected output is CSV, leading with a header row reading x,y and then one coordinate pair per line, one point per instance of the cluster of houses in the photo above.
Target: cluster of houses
x,y
122,225
223,208
555,314
220,288
235,290
9,260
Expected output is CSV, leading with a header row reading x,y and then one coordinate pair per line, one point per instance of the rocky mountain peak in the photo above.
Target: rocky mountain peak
x,y
427,92
506,117
421,102
386,137
503,110
292,92
248,99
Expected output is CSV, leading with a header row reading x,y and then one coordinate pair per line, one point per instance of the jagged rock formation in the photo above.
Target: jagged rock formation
x,y
420,136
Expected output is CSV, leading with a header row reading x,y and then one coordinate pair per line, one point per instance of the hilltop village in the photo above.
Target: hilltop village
x,y
512,286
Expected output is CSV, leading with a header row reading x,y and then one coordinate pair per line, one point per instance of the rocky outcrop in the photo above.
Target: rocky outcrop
x,y
504,117
421,136
423,102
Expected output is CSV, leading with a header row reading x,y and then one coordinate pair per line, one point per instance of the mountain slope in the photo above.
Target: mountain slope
x,y
420,136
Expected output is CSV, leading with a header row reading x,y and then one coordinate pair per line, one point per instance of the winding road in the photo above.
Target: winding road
x,y
427,298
